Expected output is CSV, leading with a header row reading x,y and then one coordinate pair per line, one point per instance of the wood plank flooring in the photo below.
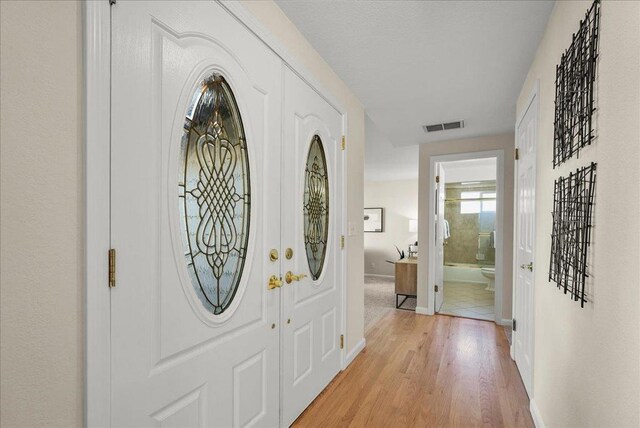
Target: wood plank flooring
x,y
426,371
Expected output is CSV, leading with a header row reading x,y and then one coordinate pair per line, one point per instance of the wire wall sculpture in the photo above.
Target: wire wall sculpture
x,y
575,78
571,233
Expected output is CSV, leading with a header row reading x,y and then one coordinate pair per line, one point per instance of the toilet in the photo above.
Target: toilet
x,y
490,274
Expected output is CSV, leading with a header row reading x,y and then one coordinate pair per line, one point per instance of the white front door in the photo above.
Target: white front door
x,y
439,236
311,228
526,137
195,210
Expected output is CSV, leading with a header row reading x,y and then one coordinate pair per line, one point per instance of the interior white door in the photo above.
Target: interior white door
x,y
196,136
311,228
526,137
439,237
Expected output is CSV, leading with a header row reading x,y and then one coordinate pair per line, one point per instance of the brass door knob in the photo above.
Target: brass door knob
x,y
290,277
274,282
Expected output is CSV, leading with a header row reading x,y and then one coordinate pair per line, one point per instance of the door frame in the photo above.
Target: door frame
x,y
97,148
431,277
534,96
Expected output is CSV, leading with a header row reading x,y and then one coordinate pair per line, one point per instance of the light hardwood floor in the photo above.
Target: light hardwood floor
x,y
426,371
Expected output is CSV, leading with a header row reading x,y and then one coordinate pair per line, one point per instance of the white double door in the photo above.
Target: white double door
x,y
210,135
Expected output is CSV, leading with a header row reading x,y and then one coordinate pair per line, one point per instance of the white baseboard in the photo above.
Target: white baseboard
x,y
348,359
375,275
422,310
506,321
535,414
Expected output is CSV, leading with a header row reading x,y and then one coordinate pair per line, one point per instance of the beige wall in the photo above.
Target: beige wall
x,y
41,208
42,205
400,202
587,361
272,17
503,142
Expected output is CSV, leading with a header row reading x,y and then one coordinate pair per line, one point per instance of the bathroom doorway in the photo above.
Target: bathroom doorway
x,y
467,220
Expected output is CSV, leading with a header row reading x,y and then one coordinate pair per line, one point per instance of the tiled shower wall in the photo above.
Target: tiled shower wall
x,y
469,232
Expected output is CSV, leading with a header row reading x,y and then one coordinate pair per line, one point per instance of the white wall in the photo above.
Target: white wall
x,y
504,142
400,202
41,297
42,205
587,361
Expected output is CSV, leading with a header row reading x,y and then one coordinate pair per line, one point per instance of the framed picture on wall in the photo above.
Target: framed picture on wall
x,y
374,219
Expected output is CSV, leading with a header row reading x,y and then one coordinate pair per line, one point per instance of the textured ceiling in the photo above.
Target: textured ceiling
x,y
413,63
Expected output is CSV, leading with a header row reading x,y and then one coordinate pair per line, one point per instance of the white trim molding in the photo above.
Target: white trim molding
x,y
97,120
354,353
423,311
506,321
535,414
500,187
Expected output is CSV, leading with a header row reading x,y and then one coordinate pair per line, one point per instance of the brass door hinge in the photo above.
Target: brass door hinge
x,y
436,288
342,241
517,154
112,268
514,325
344,142
342,341
437,179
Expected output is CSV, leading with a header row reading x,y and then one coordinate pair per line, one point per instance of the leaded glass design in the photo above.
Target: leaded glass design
x,y
316,207
214,194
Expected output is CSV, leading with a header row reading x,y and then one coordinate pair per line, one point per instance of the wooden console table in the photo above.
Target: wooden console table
x,y
406,280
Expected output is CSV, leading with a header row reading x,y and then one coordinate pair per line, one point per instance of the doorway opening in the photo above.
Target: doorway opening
x,y
468,246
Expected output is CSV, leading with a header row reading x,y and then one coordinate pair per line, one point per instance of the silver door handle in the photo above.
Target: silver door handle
x,y
529,266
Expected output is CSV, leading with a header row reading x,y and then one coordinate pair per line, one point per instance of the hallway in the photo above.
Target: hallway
x,y
426,371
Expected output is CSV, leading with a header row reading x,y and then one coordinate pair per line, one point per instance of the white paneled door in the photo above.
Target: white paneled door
x,y
526,137
226,219
311,233
195,210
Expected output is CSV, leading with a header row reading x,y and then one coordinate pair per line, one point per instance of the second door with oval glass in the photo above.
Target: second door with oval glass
x,y
311,226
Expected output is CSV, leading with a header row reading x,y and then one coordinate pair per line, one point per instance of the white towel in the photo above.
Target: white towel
x,y
446,234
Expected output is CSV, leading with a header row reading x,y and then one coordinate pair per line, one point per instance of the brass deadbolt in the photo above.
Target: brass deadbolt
x,y
288,253
273,255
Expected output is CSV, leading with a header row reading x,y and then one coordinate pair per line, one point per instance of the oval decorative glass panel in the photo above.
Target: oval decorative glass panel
x,y
214,193
316,207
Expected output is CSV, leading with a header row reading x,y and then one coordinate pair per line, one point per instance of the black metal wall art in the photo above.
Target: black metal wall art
x,y
571,233
575,77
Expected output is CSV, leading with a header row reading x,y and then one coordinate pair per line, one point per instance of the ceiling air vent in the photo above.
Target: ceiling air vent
x,y
443,126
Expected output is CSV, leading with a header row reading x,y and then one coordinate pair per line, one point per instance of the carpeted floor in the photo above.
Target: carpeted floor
x,y
379,299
